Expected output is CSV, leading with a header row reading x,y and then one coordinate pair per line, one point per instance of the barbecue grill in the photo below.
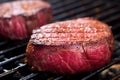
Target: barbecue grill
x,y
12,53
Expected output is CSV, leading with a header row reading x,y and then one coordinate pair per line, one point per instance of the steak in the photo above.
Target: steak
x,y
70,47
19,18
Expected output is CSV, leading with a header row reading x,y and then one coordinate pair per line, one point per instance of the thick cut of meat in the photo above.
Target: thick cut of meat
x,y
19,18
69,47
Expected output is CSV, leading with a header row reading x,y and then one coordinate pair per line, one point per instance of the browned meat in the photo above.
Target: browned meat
x,y
71,46
19,18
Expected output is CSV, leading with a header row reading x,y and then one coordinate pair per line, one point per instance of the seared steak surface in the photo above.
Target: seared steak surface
x,y
69,47
19,18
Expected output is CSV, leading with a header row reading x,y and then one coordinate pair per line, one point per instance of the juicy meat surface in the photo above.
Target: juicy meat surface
x,y
69,47
19,18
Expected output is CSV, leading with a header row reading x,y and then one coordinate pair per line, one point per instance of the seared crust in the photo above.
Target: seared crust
x,y
25,8
82,30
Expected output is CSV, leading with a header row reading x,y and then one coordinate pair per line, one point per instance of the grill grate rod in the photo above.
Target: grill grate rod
x,y
34,75
69,2
29,76
117,46
112,18
58,78
95,11
110,12
3,43
117,36
12,70
13,48
69,7
116,60
115,27
2,56
54,1
12,59
79,10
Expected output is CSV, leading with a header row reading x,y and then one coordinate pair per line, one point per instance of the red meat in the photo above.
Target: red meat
x,y
19,18
70,47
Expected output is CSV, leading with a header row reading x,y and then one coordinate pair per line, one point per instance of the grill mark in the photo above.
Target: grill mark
x,y
69,32
78,28
68,39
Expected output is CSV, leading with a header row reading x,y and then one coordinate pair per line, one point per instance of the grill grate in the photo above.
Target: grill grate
x,y
12,53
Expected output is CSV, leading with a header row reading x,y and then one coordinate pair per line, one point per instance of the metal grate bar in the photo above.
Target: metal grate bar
x,y
112,18
78,10
117,36
55,1
115,29
2,56
116,60
116,26
12,70
3,43
107,13
12,59
13,48
64,4
116,45
59,78
32,75
69,7
95,11
29,76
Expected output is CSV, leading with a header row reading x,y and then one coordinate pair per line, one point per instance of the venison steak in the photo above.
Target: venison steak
x,y
69,47
19,18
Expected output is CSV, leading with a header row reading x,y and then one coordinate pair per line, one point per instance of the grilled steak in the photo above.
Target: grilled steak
x,y
69,47
19,18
